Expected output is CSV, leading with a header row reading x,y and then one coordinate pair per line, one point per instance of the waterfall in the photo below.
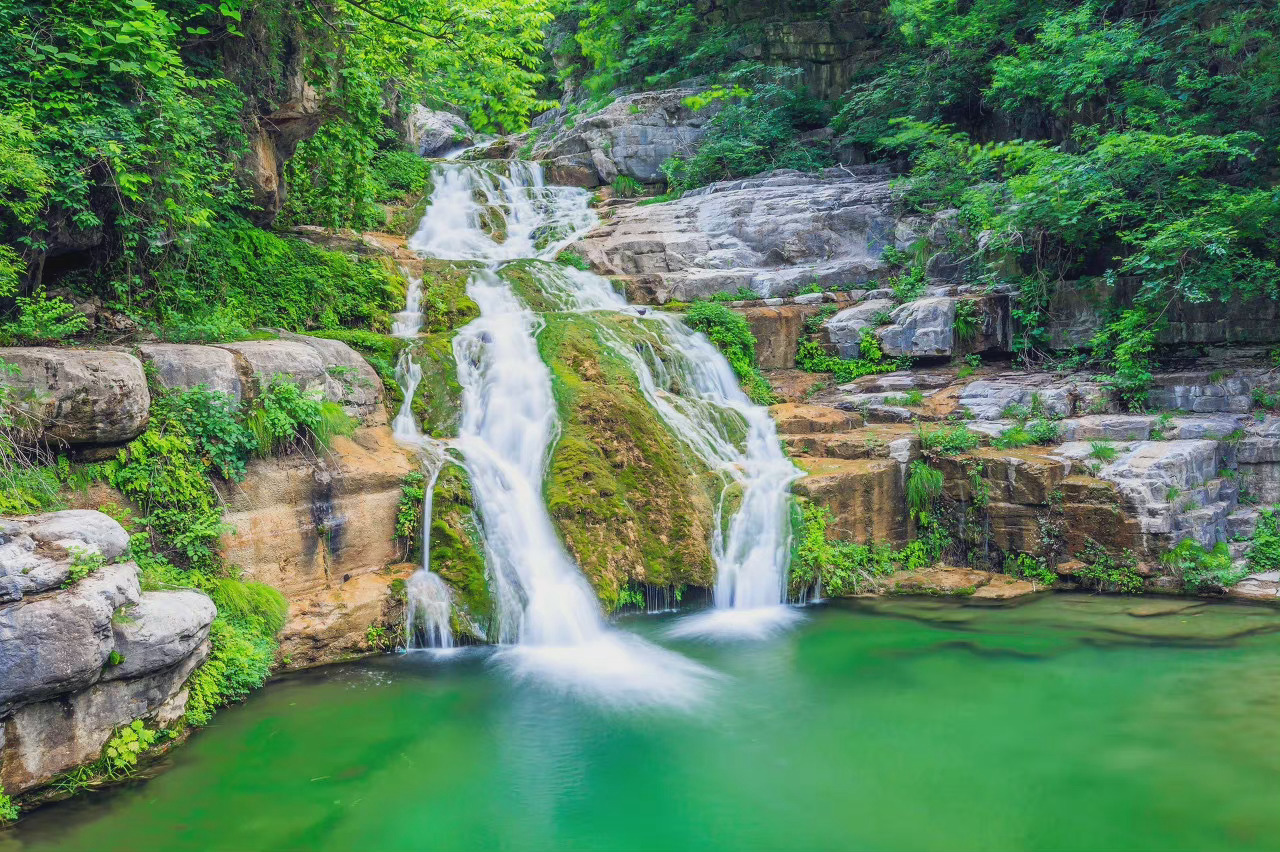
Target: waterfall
x,y
694,390
428,604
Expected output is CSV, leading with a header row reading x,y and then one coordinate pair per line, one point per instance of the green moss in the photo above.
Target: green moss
x,y
632,505
457,554
437,403
444,295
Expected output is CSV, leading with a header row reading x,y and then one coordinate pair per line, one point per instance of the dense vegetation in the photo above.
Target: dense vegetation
x,y
1129,143
127,128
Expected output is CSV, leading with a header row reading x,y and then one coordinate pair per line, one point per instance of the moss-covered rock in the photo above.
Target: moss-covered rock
x,y
445,302
457,554
632,504
437,402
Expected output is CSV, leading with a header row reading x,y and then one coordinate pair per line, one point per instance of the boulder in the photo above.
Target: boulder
x,y
799,419
80,396
1050,394
777,331
59,644
435,133
183,366
329,366
632,137
844,330
866,498
774,234
160,630
923,328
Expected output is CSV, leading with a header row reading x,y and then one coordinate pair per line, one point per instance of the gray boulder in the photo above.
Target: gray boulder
x,y
60,643
774,234
329,366
161,630
435,133
183,366
633,137
923,328
844,330
80,396
35,551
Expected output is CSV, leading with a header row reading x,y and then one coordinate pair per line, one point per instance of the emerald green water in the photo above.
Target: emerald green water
x,y
1062,723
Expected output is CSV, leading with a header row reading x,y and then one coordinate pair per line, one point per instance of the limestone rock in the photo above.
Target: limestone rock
x,y
1052,395
183,366
160,630
434,133
844,330
923,328
865,497
315,364
795,419
773,234
80,396
633,136
777,331
59,643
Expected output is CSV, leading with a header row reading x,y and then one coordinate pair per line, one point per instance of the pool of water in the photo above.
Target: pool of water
x,y
1061,723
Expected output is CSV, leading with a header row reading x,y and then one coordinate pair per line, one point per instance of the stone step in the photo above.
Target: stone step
x,y
1243,523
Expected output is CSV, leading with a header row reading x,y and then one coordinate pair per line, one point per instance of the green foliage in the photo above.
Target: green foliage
x,y
1044,431
1108,573
211,420
1264,554
228,280
571,258
1029,567
1203,570
972,362
123,750
946,440
285,418
924,485
238,664
627,187
732,336
908,286
842,567
42,320
8,810
1103,451
812,357
400,173
754,132
630,596
409,507
911,399
968,322
254,605
742,294
83,563
1126,347
1012,438
377,637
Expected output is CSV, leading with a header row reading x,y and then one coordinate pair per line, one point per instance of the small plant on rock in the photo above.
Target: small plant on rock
x,y
1108,573
1103,451
627,187
1028,567
121,754
83,563
8,810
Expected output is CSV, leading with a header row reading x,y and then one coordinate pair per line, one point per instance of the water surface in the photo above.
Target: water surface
x,y
1061,723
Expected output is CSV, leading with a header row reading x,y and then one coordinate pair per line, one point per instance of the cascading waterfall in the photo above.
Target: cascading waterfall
x,y
428,603
732,436
500,212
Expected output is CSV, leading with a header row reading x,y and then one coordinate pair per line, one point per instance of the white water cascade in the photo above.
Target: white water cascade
x,y
428,603
509,423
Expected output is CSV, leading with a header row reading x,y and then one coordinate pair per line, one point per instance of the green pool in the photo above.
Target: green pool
x,y
1061,723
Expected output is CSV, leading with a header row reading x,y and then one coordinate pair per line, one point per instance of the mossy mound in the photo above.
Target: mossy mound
x,y
457,553
633,506
445,302
437,403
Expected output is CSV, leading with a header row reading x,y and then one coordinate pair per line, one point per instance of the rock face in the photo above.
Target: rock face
x,y
80,396
241,369
844,330
62,692
322,532
773,234
632,137
923,328
434,133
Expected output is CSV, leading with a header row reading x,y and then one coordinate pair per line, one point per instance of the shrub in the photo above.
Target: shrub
x,y
42,320
285,418
1044,431
924,485
239,663
947,440
967,320
409,508
400,173
1202,570
123,750
732,336
1031,568
8,810
211,420
627,187
1264,555
1108,573
1012,438
1102,451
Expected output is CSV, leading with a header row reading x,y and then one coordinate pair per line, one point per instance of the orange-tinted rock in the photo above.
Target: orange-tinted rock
x,y
865,498
777,331
961,582
800,419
